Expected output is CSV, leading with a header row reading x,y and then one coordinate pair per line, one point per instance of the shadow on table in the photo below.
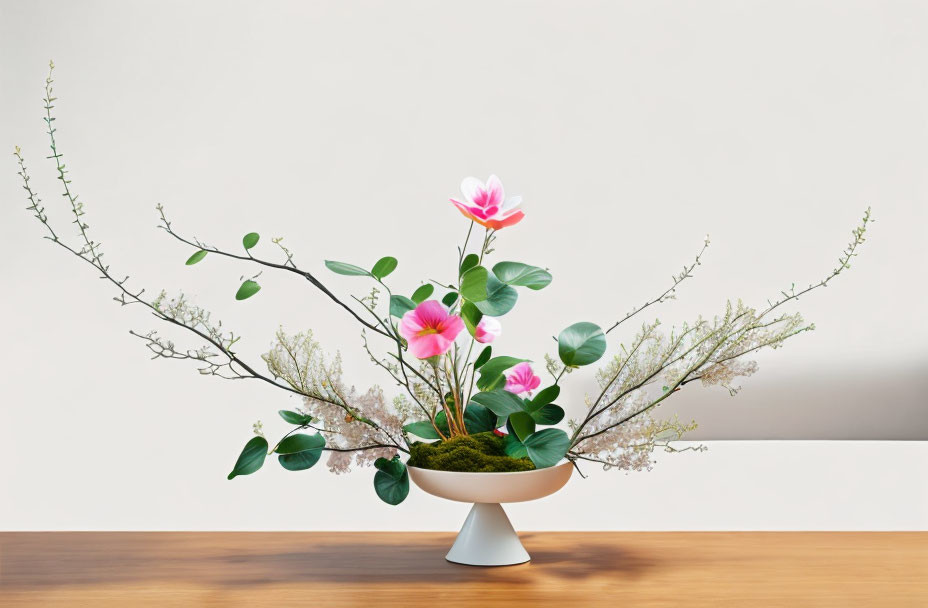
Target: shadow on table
x,y
262,559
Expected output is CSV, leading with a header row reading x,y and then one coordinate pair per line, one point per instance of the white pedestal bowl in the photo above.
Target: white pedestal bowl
x,y
487,537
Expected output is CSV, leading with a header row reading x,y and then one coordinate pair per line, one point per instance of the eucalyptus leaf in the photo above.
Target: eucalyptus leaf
x,y
513,447
450,298
470,260
500,402
251,459
509,430
500,298
400,305
196,257
384,267
423,429
478,419
547,447
545,396
391,482
581,344
295,417
441,421
548,414
523,275
471,316
422,294
346,269
248,289
522,424
483,357
474,284
491,372
250,240
300,442
301,460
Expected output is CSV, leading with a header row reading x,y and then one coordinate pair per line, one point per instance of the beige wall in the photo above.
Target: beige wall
x,y
631,129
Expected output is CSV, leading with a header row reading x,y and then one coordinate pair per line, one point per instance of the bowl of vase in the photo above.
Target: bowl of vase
x,y
487,537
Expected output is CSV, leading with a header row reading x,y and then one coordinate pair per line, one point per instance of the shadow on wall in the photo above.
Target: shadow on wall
x,y
877,405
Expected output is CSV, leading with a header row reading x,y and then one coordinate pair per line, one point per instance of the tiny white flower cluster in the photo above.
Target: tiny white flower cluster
x,y
618,429
358,427
346,432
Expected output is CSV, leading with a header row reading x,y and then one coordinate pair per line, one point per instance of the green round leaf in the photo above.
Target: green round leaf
x,y
500,402
483,357
391,482
478,419
548,414
384,266
471,260
251,459
450,298
547,447
581,344
295,417
423,429
523,275
441,421
545,396
301,460
400,305
500,298
522,424
248,289
471,316
250,240
513,447
300,442
196,257
474,284
346,269
422,294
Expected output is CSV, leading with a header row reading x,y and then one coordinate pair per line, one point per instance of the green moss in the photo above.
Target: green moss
x,y
477,453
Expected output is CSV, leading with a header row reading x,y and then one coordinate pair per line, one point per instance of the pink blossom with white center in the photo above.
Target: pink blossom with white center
x,y
429,329
487,330
487,204
522,379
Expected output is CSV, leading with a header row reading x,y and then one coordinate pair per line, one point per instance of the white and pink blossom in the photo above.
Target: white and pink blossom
x,y
487,204
521,379
487,330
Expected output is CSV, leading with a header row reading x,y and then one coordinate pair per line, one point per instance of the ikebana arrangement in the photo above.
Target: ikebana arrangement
x,y
471,421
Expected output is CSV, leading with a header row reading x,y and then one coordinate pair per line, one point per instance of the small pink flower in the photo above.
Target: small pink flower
x,y
487,330
487,204
521,379
429,329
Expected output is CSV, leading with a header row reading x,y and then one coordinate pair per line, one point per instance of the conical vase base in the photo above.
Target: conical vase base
x,y
487,538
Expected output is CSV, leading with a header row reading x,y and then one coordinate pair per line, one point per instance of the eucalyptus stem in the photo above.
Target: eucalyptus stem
x,y
91,253
289,266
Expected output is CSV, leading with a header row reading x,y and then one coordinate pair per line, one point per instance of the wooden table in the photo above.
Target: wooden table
x,y
380,569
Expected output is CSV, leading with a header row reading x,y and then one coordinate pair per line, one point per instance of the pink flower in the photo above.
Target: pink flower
x,y
487,330
487,204
521,379
429,329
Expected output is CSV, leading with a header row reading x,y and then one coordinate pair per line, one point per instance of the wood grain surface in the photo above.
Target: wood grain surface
x,y
129,569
